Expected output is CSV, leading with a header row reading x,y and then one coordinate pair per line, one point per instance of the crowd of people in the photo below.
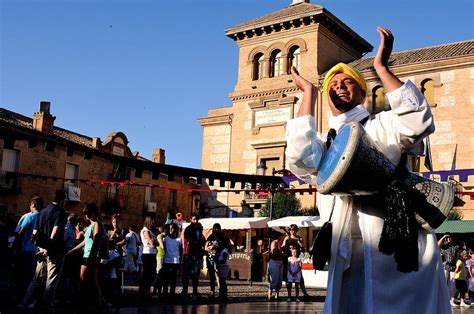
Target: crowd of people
x,y
458,263
79,261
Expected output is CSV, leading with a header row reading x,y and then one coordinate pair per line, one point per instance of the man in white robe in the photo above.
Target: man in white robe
x,y
361,278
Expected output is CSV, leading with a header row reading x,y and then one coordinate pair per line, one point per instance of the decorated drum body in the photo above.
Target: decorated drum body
x,y
353,166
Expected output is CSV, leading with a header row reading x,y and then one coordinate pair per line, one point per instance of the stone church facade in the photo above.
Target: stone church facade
x,y
251,132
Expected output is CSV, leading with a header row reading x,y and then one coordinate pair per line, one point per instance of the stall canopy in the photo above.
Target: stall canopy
x,y
235,223
456,226
300,221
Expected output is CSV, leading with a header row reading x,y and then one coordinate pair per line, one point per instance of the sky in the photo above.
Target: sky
x,y
150,68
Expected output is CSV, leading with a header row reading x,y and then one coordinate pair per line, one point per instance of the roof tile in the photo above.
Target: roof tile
x,y
407,57
16,119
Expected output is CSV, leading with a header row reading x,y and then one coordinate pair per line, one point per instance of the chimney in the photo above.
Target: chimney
x,y
158,156
43,121
295,2
96,142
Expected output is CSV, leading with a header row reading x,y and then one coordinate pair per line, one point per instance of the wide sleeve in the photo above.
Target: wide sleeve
x,y
413,117
304,148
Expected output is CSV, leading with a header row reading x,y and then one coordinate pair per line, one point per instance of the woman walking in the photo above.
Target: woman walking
x,y
94,238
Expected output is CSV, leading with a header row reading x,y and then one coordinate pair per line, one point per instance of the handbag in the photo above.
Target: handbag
x,y
321,248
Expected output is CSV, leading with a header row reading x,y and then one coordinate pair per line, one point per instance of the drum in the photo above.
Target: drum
x,y
354,166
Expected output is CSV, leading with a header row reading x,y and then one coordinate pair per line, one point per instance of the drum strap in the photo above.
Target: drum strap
x,y
330,137
332,133
364,121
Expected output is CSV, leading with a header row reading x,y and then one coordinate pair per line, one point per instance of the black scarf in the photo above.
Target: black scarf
x,y
400,229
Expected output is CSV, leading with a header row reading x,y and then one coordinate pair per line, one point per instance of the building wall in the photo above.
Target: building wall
x,y
132,198
453,109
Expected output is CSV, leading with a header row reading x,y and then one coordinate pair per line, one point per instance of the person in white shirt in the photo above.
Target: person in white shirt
x,y
148,238
361,279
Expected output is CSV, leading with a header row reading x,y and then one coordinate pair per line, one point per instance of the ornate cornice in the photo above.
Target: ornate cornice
x,y
236,96
289,19
269,145
223,119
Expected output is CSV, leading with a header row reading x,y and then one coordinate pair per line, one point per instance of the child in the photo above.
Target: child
x,y
294,273
223,272
460,276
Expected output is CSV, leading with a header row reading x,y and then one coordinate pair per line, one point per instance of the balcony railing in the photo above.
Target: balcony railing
x,y
256,197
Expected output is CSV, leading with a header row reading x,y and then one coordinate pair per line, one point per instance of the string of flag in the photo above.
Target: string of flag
x,y
263,190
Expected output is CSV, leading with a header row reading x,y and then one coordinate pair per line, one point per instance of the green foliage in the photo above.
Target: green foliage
x,y
309,211
283,205
454,214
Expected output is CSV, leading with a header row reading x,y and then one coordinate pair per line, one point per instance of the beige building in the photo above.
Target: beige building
x,y
252,131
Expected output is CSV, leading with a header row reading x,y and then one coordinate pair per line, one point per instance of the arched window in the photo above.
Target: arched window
x,y
276,63
257,66
294,58
427,88
379,101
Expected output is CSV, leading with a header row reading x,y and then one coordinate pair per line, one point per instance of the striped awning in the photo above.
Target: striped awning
x,y
456,226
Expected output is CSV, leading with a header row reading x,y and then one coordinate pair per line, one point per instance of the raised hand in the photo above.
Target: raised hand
x,y
385,47
309,93
389,80
302,83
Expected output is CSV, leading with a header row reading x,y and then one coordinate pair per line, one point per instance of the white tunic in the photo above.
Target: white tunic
x,y
361,279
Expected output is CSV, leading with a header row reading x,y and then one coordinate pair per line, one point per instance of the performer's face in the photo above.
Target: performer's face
x,y
344,93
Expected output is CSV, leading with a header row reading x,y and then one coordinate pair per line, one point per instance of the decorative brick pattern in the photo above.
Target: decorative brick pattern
x,y
445,157
447,101
443,126
442,138
446,76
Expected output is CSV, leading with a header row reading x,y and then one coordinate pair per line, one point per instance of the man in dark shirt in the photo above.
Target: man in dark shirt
x,y
193,252
449,253
50,222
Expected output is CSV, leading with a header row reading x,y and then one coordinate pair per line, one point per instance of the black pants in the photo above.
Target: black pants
x,y
461,288
169,273
148,275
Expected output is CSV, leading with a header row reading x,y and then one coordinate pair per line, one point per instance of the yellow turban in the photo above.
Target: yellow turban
x,y
344,68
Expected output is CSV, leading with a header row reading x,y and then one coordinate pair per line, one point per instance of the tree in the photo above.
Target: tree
x,y
283,205
454,214
309,211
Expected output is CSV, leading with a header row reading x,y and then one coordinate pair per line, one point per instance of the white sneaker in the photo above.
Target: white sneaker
x,y
464,304
453,304
297,300
288,300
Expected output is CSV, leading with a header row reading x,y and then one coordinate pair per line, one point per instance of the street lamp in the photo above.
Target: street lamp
x,y
261,172
261,168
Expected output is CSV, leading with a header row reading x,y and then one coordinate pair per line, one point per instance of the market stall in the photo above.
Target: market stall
x,y
309,226
241,259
